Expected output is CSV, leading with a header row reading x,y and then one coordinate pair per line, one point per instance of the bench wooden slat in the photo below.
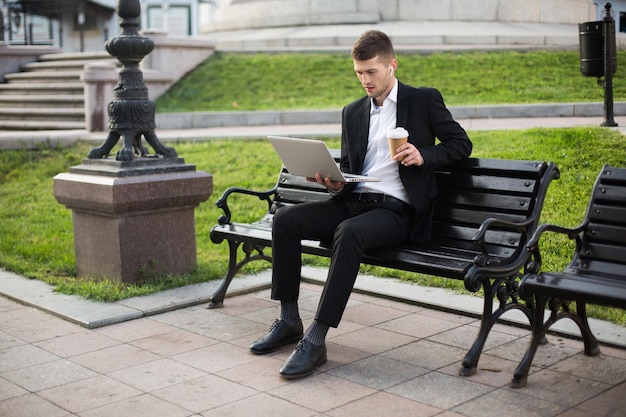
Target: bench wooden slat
x,y
467,247
598,268
426,263
507,203
618,176
602,251
502,167
611,214
611,194
486,182
440,259
246,232
597,232
453,232
292,189
288,195
288,180
590,287
459,215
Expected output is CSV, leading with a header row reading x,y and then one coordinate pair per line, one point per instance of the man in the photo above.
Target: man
x,y
362,216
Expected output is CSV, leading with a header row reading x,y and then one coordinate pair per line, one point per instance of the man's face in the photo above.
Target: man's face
x,y
376,77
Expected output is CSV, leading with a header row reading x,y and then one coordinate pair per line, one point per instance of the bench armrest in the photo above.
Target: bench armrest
x,y
487,225
222,202
482,267
534,262
572,233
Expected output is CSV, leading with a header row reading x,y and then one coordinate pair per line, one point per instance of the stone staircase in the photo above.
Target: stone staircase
x,y
47,94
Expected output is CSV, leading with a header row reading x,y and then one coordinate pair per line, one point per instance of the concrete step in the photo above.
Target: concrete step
x,y
60,100
91,56
43,76
48,94
43,114
40,88
10,125
73,65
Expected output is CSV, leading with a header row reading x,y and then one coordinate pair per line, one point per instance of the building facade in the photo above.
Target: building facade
x,y
618,12
73,25
85,25
175,17
246,14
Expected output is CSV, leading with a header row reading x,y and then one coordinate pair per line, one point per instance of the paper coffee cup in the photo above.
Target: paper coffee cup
x,y
396,137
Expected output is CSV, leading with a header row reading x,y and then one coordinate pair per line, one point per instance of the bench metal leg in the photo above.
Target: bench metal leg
x,y
217,300
505,289
470,362
592,347
559,310
520,377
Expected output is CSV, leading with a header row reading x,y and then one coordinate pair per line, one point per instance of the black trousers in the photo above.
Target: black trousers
x,y
352,225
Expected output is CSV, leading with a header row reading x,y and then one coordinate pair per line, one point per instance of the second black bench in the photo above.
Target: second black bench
x,y
595,275
486,211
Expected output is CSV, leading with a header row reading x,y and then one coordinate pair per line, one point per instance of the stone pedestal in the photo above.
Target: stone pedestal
x,y
135,218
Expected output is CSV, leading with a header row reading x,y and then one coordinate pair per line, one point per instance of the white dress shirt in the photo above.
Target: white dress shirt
x,y
378,162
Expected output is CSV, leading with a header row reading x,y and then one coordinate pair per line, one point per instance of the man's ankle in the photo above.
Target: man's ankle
x,y
316,333
289,312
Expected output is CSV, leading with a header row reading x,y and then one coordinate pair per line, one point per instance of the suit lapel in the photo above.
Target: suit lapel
x,y
402,115
363,126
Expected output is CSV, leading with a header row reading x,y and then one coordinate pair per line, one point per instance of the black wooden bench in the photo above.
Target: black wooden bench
x,y
486,211
595,275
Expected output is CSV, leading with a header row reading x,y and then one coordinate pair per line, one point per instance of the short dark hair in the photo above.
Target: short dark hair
x,y
371,44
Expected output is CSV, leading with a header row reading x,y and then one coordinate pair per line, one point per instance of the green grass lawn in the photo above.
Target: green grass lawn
x,y
257,81
36,238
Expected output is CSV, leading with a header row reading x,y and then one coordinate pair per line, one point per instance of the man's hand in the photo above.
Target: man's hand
x,y
407,154
326,182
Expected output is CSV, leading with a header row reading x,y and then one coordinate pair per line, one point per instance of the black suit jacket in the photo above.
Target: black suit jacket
x,y
422,112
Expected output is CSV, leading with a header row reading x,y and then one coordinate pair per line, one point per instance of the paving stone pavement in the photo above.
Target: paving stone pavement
x,y
387,358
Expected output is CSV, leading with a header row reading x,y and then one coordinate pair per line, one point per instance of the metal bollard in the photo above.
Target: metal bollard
x,y
608,25
598,57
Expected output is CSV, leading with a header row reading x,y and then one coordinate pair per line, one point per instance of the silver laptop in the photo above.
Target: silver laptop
x,y
306,157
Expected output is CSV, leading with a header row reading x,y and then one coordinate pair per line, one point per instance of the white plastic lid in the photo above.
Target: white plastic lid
x,y
398,132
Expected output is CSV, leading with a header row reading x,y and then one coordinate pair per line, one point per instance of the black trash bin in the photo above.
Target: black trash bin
x,y
591,36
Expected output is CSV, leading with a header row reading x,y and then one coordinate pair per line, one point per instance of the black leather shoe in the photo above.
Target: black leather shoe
x,y
279,334
304,360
